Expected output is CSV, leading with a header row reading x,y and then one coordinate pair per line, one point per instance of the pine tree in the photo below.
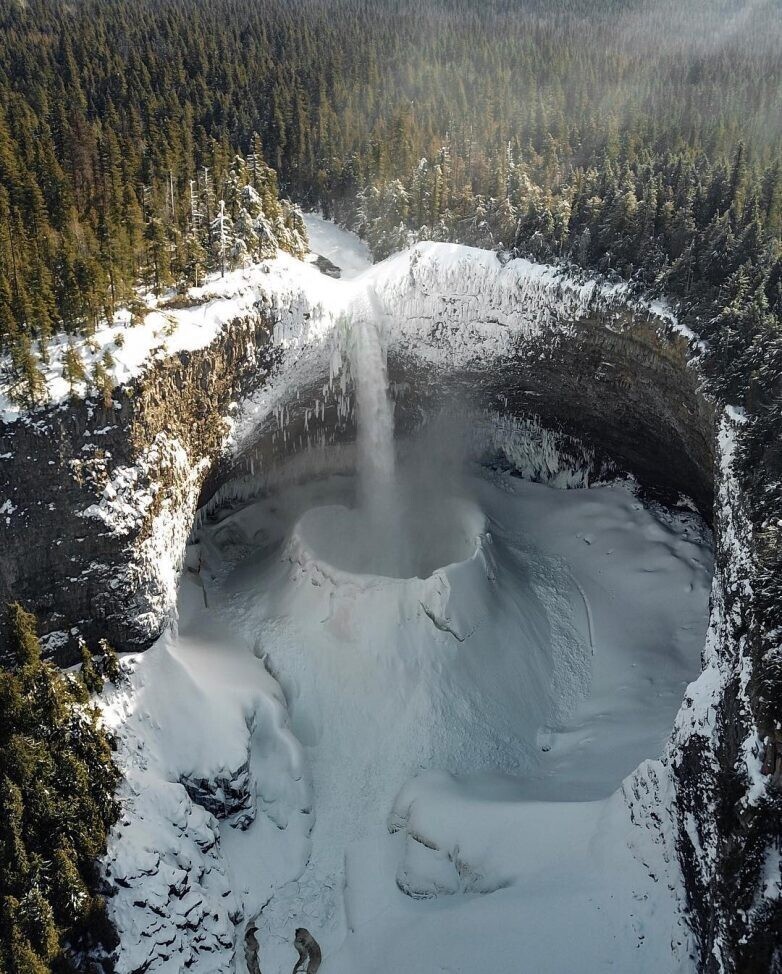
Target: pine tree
x,y
74,371
29,388
36,920
102,379
88,673
14,860
738,176
22,634
158,252
224,249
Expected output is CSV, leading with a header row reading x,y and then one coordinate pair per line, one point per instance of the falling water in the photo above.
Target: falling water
x,y
375,418
378,491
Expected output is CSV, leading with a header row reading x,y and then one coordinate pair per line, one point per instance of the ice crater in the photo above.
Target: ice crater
x,y
344,540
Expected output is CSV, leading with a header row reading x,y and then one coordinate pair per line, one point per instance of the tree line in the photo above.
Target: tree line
x,y
57,784
582,129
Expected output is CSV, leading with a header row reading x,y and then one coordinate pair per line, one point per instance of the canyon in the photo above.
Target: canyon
x,y
390,736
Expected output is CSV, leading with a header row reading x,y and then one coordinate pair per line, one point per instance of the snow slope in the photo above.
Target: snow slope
x,y
344,249
485,714
197,708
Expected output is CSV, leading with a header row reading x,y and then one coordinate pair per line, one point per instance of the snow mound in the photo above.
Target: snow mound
x,y
485,713
474,878
186,717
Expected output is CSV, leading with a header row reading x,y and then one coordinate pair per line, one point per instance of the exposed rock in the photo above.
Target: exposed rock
x,y
227,797
103,500
728,806
251,949
309,953
327,267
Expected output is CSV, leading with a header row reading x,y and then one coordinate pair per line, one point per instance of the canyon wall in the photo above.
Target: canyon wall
x,y
96,504
98,500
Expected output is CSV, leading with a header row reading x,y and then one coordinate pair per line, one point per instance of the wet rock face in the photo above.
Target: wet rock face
x,y
617,384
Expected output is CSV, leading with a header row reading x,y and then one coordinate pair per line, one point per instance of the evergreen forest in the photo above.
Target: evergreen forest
x,y
57,783
141,143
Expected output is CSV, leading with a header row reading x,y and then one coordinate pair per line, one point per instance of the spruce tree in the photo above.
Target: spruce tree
x,y
102,379
57,784
88,674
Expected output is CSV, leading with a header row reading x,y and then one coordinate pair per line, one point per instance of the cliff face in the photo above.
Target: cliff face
x,y
98,501
97,504
725,755
467,331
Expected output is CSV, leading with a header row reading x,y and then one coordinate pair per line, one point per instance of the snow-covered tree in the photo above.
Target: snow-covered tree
x,y
223,242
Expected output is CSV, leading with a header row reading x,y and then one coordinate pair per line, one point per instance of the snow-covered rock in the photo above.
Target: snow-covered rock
x,y
186,715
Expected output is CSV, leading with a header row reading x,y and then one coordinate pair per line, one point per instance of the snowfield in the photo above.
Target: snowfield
x,y
438,758
437,767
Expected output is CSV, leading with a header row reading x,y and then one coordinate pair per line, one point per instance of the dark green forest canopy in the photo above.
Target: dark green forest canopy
x,y
111,109
57,783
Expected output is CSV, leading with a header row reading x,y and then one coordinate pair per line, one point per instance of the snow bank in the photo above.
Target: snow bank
x,y
343,249
186,718
182,323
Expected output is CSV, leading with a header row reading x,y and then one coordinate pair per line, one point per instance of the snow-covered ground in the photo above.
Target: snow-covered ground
x,y
485,714
430,769
174,323
344,249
